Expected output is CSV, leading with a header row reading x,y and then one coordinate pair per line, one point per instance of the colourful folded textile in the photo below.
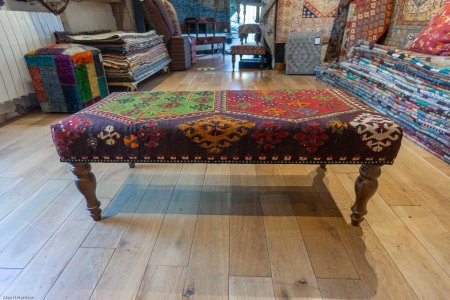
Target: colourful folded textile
x,y
413,92
129,57
66,77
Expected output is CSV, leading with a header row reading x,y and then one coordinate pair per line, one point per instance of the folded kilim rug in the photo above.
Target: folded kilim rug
x,y
128,57
411,91
274,126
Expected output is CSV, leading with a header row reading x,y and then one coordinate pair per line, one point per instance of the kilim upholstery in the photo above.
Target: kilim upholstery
x,y
274,126
248,50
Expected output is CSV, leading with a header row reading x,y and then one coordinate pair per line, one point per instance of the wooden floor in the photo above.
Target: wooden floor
x,y
197,231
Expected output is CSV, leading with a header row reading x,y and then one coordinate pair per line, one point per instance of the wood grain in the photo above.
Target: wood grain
x,y
6,277
42,272
16,220
248,246
207,275
117,215
289,259
406,251
122,277
162,283
81,274
428,231
174,242
255,288
19,251
342,289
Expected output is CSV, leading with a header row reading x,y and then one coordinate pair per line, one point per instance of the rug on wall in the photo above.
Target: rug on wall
x,y
305,15
337,33
410,17
368,22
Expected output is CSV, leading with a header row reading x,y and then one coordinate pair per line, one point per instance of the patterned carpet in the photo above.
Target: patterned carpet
x,y
305,15
410,16
368,22
274,126
403,86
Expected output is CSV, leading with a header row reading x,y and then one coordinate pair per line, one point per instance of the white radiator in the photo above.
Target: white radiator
x,y
21,32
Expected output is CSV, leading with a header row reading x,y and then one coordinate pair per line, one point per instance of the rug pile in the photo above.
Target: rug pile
x,y
401,85
128,57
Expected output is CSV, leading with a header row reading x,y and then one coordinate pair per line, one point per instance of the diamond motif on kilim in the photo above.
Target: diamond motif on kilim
x,y
376,131
217,132
129,108
286,105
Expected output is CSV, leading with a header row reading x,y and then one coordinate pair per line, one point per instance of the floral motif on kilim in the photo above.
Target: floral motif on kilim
x,y
376,131
312,136
69,130
269,134
150,135
217,132
109,135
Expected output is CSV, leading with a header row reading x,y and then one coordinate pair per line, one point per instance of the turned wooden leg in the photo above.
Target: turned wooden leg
x,y
132,165
233,60
365,187
261,62
86,184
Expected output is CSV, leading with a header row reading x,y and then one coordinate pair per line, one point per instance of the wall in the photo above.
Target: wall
x,y
127,16
204,8
87,16
21,32
23,6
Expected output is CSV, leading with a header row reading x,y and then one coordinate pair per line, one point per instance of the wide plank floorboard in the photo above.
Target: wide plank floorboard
x,y
218,231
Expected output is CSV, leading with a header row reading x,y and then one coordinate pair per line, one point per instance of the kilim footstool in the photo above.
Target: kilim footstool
x,y
248,50
67,77
245,127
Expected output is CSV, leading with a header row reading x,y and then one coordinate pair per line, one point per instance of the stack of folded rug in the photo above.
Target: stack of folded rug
x,y
128,57
411,88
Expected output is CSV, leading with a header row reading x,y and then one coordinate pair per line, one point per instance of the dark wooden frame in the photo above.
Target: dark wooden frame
x,y
205,22
365,187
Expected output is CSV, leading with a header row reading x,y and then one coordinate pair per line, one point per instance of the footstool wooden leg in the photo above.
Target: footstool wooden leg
x,y
233,60
365,187
261,61
132,165
86,184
